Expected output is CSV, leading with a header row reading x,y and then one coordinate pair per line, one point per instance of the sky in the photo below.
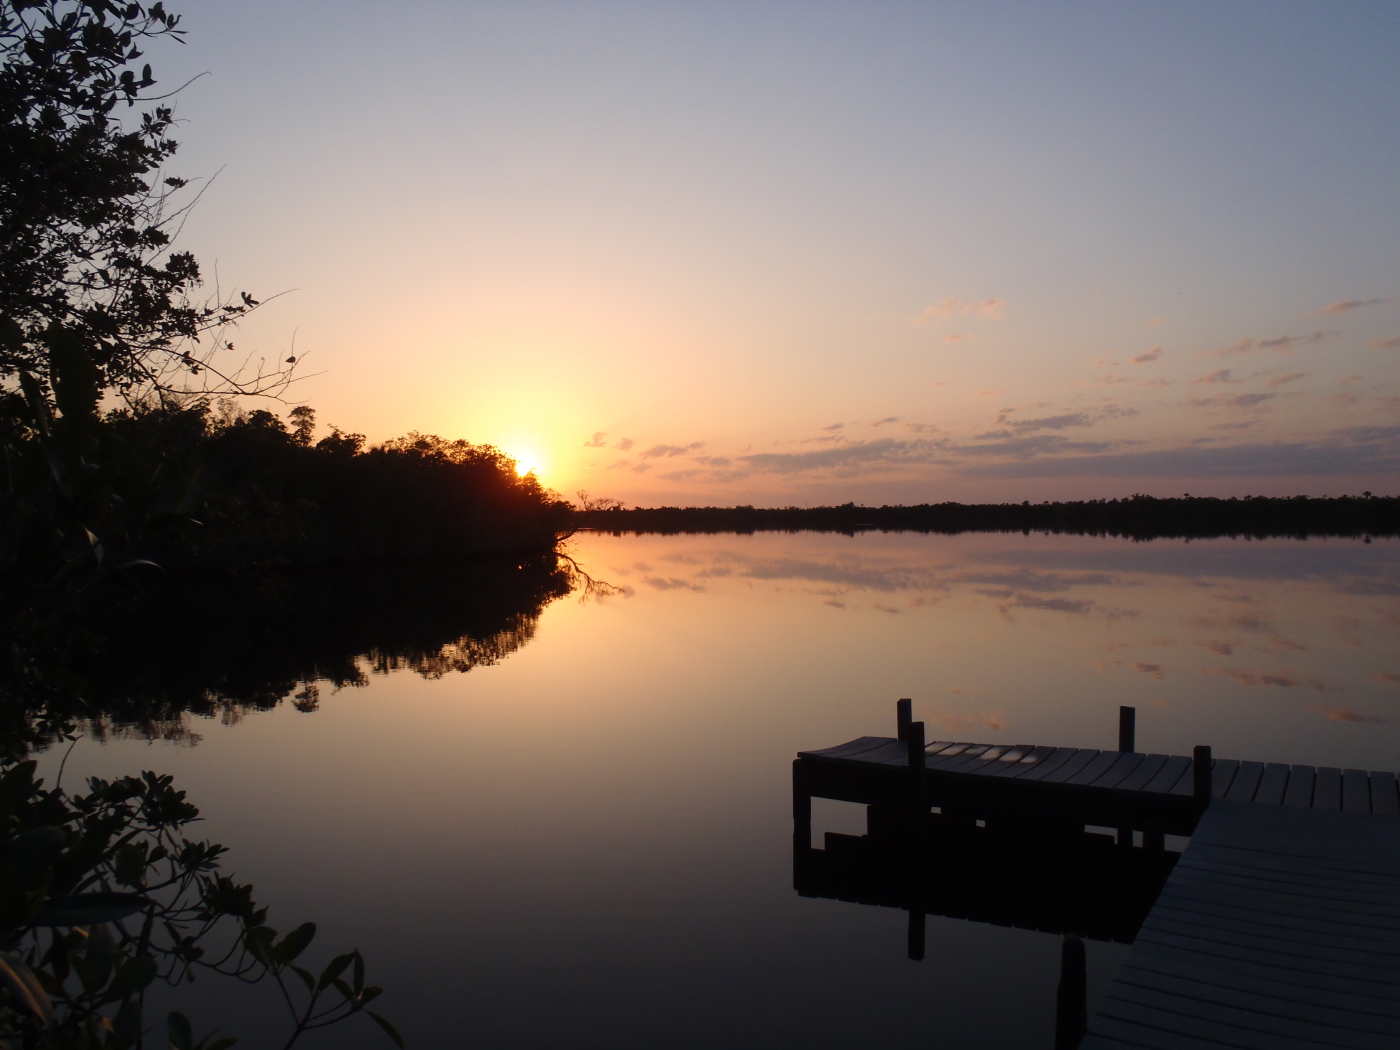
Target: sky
x,y
775,253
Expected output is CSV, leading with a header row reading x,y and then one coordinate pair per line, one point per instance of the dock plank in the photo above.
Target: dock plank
x,y
1150,766
1091,772
1301,780
1356,791
1246,782
1237,952
1059,768
1171,772
1385,802
1272,784
1327,791
1222,776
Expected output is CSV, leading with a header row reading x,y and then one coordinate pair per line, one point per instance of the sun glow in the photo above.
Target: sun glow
x,y
527,461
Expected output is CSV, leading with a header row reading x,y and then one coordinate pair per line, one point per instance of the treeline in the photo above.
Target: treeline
x,y
270,492
1137,517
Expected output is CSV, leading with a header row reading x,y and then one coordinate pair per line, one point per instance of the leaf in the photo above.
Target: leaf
x,y
295,943
305,976
25,987
131,977
177,1028
34,397
334,969
389,1030
74,375
86,909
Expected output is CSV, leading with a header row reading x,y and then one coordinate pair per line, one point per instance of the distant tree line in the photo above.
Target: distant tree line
x,y
1136,517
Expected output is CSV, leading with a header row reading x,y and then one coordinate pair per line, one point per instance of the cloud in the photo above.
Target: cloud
x,y
616,464
1238,401
680,475
1151,355
1342,714
641,468
1348,305
984,309
1155,670
1220,375
671,584
597,440
671,451
1281,344
1358,450
844,456
921,428
1060,422
834,426
1156,322
1385,344
887,419
624,444
952,338
1291,377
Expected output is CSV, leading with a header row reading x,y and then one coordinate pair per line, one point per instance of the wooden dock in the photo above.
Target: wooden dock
x,y
1278,927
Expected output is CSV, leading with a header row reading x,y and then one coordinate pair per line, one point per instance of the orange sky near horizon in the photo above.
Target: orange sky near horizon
x,y
805,254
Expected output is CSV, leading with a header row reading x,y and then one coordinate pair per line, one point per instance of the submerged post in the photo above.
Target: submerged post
x,y
1201,768
1071,1002
903,715
1127,728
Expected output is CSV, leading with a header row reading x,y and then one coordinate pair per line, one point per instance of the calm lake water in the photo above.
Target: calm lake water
x,y
585,839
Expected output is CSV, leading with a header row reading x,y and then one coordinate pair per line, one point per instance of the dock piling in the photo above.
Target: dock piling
x,y
1071,998
903,715
1201,768
1127,728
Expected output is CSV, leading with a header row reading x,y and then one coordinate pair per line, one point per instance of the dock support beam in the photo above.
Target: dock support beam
x,y
801,807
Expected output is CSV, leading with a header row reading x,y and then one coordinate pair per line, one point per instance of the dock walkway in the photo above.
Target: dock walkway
x,y
1278,929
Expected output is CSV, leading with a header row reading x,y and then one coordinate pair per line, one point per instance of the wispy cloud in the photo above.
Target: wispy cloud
x,y
834,426
596,441
1385,344
886,420
1291,377
1281,344
1343,714
1238,401
982,309
1346,306
1220,375
1156,322
671,451
1150,355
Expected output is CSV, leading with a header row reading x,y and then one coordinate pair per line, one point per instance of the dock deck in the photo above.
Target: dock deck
x,y
1278,929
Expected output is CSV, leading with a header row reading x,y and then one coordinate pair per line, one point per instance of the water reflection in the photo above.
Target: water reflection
x,y
602,821
154,660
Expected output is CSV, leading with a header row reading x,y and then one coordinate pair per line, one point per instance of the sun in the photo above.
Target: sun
x,y
527,461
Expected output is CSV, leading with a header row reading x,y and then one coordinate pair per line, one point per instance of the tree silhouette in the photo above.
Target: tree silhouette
x,y
88,217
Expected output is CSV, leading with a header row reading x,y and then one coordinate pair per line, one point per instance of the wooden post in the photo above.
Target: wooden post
x,y
1071,1005
916,932
903,715
915,742
801,807
1201,769
1127,726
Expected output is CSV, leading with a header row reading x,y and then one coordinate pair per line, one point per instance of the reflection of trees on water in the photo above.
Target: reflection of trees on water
x,y
194,649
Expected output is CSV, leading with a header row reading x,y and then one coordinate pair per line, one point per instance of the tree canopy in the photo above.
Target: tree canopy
x,y
88,215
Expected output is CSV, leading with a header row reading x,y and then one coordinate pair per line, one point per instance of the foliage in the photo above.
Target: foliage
x,y
102,895
87,216
75,498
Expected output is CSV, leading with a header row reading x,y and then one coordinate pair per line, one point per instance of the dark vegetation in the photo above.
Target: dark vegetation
x,y
1138,518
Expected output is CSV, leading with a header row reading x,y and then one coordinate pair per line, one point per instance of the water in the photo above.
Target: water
x,y
585,838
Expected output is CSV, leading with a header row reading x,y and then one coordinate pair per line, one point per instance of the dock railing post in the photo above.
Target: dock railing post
x,y
1127,726
903,715
1201,770
914,739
